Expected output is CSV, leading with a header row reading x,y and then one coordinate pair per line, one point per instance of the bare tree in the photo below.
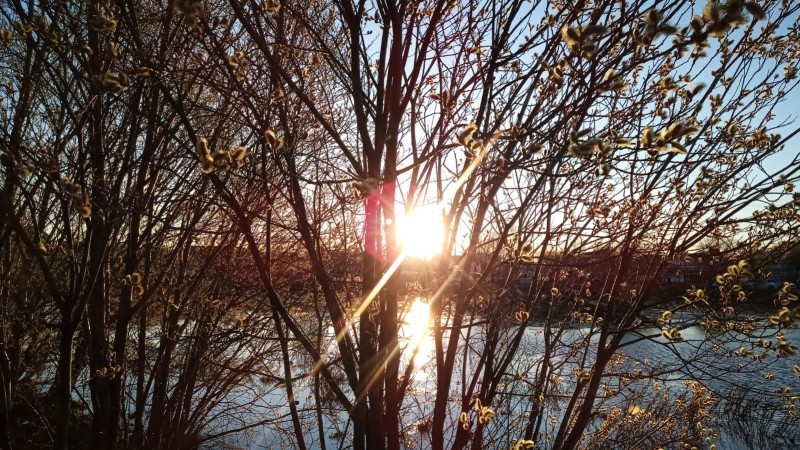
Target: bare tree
x,y
210,193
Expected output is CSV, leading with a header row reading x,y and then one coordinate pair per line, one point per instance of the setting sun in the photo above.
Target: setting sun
x,y
421,232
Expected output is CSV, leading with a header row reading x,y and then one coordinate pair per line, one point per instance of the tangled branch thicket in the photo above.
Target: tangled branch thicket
x,y
201,204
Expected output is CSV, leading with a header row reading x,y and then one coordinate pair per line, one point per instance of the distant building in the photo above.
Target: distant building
x,y
694,268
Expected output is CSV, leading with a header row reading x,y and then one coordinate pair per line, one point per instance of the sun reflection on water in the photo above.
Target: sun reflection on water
x,y
417,320
416,329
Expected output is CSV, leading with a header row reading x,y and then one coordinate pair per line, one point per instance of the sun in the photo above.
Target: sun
x,y
421,232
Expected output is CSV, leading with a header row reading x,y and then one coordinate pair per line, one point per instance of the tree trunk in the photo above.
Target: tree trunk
x,y
104,426
370,389
63,388
446,356
5,395
137,437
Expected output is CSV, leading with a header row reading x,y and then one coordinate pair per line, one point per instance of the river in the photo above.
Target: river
x,y
748,412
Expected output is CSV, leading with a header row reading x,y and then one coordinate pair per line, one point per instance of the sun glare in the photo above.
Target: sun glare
x,y
421,232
